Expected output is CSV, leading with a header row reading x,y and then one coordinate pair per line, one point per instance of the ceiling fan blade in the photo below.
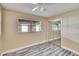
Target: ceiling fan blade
x,y
35,8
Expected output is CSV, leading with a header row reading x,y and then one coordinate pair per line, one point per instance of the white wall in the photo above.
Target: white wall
x,y
70,31
71,27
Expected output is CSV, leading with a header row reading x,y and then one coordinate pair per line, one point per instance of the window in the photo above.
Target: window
x,y
54,27
29,26
36,26
24,28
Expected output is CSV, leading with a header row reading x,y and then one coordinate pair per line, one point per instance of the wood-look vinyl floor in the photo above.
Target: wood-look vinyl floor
x,y
46,49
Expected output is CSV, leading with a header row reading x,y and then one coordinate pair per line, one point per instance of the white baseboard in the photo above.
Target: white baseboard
x,y
16,49
70,49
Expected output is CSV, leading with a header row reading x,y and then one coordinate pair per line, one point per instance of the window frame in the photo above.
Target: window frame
x,y
29,26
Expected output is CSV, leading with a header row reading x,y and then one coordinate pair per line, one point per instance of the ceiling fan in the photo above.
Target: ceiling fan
x,y
41,6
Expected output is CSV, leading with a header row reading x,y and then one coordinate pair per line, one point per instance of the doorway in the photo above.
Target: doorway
x,y
54,32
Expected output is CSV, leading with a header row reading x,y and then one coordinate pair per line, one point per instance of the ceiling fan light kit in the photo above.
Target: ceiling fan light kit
x,y
40,7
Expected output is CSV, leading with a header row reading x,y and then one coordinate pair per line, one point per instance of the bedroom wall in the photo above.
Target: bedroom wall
x,y
70,31
12,39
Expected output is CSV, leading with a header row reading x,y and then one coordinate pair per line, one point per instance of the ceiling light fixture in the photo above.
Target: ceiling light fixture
x,y
40,7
